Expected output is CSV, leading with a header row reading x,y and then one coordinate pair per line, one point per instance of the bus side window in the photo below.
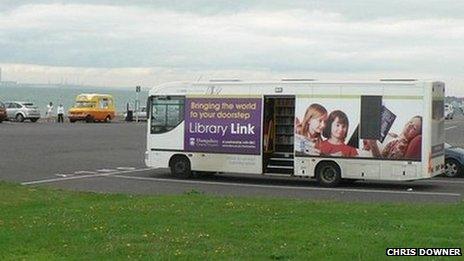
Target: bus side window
x,y
166,113
158,118
104,103
438,109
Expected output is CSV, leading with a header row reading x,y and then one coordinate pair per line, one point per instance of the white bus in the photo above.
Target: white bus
x,y
385,130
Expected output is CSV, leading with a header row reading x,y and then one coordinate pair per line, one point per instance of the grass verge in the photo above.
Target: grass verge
x,y
42,223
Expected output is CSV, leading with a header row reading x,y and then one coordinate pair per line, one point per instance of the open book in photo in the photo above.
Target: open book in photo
x,y
386,122
304,146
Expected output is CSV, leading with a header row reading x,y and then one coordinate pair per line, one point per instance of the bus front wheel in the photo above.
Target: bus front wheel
x,y
180,167
328,174
88,119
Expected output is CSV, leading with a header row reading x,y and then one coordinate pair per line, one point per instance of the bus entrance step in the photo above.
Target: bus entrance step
x,y
279,167
279,171
287,155
281,162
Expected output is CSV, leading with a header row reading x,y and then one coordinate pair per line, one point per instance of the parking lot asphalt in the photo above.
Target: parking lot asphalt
x,y
32,151
109,158
454,130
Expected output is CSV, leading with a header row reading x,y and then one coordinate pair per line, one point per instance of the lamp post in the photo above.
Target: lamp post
x,y
137,92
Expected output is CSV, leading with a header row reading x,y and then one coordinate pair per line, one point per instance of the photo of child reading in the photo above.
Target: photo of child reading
x,y
308,132
406,145
336,131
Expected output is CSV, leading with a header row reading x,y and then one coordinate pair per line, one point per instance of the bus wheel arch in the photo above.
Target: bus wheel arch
x,y
180,166
89,118
328,173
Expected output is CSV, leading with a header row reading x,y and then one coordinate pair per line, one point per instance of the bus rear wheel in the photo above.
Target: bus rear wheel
x,y
180,167
328,174
88,119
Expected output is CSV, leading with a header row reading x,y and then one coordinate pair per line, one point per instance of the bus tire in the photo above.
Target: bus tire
x,y
108,119
180,167
88,119
328,174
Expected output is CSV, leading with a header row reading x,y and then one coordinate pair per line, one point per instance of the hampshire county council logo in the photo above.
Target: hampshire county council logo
x,y
192,141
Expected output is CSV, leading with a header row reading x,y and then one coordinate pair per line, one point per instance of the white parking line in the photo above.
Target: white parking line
x,y
452,127
84,172
125,168
81,176
106,170
288,187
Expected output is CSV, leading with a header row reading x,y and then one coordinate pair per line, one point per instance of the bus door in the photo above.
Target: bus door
x,y
278,134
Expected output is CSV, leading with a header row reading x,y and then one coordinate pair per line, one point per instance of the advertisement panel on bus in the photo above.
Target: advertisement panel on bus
x,y
379,127
223,125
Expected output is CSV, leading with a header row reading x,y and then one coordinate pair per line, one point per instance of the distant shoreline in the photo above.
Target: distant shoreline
x,y
42,94
5,84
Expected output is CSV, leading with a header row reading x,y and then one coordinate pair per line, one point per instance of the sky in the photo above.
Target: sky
x,y
116,43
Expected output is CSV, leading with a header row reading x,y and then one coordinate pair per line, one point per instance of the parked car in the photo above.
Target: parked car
x,y
21,111
2,112
449,111
141,114
92,107
454,161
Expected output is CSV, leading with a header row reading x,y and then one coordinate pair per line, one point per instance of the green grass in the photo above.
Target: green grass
x,y
42,223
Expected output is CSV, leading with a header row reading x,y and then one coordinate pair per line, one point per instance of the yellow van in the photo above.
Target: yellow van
x,y
92,107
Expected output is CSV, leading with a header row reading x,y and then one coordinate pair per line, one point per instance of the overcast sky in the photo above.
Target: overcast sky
x,y
127,43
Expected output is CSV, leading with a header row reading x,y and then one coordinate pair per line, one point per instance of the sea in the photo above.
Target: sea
x,y
41,95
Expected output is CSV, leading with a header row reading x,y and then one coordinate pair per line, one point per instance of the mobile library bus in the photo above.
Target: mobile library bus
x,y
385,130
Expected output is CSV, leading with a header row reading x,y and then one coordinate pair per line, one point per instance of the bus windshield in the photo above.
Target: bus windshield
x,y
84,104
166,113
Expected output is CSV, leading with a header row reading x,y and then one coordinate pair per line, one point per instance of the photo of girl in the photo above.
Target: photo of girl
x,y
308,132
336,131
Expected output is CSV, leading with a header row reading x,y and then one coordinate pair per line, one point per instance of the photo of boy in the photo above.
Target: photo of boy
x,y
399,132
406,145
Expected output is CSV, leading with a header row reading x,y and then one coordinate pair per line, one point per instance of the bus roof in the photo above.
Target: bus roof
x,y
270,87
93,95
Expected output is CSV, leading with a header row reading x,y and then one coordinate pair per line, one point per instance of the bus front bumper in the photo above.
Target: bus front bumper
x,y
79,117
